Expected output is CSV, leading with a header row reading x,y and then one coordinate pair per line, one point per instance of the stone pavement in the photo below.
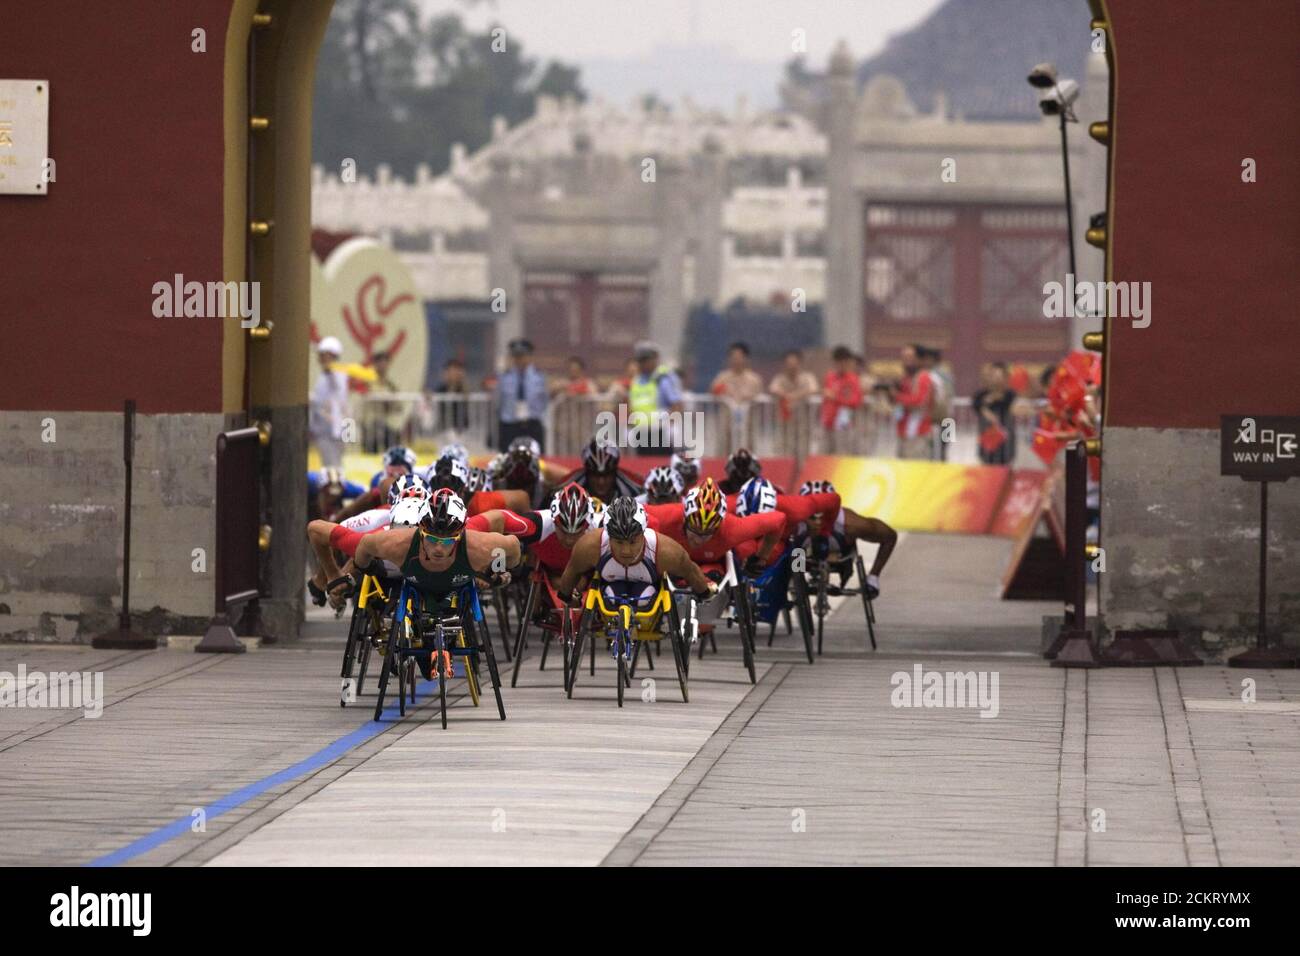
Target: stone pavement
x,y
814,765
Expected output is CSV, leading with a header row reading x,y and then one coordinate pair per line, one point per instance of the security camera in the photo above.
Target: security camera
x,y
1059,98
1043,76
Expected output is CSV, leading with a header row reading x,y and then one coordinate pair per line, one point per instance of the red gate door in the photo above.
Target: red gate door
x,y
596,316
967,279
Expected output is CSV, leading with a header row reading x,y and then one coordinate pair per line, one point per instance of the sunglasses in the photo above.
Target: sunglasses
x,y
445,542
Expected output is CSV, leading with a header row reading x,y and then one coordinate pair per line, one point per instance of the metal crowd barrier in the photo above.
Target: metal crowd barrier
x,y
431,420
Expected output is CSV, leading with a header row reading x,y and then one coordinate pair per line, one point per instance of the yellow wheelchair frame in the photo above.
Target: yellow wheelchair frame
x,y
637,626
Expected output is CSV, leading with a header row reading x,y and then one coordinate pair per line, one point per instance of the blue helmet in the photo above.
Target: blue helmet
x,y
756,496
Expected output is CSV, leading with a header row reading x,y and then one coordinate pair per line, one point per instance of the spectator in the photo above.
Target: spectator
x,y
521,397
792,387
912,400
329,404
793,384
737,385
655,388
576,381
572,407
940,397
992,406
841,397
383,420
737,382
452,401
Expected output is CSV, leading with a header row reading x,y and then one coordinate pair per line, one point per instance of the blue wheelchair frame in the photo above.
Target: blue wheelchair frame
x,y
472,623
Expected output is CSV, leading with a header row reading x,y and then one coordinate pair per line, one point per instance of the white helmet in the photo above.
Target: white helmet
x,y
407,486
756,496
409,512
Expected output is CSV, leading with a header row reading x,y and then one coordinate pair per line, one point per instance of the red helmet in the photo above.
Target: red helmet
x,y
571,509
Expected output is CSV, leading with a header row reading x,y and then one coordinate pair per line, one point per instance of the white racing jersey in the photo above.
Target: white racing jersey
x,y
376,519
639,581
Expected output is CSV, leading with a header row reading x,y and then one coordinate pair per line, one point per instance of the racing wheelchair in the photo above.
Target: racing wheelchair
x,y
844,563
437,629
625,622
541,607
776,591
737,596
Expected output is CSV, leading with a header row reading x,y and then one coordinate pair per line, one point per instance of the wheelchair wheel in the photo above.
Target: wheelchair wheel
x,y
620,649
352,651
367,646
799,584
396,639
479,632
866,602
525,615
823,606
678,641
503,618
575,656
403,668
740,600
471,681
355,628
440,645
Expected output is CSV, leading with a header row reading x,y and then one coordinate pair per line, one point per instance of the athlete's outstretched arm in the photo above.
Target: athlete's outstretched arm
x,y
516,500
875,531
674,560
486,546
318,533
494,520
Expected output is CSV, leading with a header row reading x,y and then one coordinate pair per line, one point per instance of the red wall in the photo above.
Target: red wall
x,y
1200,85
136,133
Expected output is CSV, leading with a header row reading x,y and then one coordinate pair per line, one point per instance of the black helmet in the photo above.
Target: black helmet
x,y
400,455
600,457
742,466
449,472
526,442
446,515
521,468
625,519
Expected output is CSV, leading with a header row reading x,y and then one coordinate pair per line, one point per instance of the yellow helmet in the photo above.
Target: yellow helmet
x,y
705,507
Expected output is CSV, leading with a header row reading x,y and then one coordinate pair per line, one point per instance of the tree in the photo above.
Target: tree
x,y
392,90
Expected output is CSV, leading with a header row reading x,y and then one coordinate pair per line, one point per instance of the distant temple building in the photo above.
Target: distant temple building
x,y
594,226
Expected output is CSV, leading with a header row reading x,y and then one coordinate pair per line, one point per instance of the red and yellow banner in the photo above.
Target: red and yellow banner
x,y
915,495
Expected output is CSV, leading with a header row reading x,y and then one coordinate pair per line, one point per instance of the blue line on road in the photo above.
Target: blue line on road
x,y
239,797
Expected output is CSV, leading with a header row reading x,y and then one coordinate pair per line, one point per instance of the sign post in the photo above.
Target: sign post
x,y
123,637
1261,448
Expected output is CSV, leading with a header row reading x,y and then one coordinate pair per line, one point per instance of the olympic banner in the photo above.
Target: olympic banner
x,y
915,495
365,296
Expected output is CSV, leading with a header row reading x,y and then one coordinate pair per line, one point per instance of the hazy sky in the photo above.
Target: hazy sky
x,y
748,34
